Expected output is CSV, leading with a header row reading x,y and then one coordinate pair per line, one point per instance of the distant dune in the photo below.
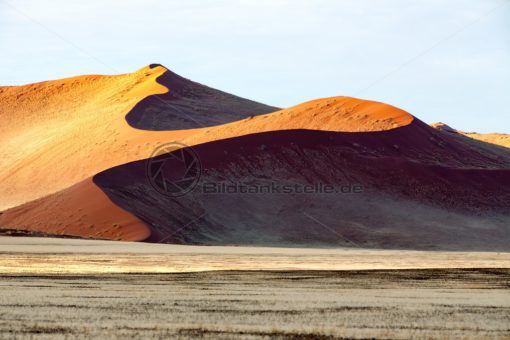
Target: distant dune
x,y
500,139
75,155
493,138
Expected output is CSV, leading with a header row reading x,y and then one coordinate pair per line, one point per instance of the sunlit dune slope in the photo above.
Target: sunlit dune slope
x,y
493,138
74,155
500,139
81,210
354,117
129,144
421,183
57,133
339,114
410,200
495,145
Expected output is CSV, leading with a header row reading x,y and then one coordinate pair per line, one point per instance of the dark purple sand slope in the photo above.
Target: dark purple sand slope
x,y
421,190
189,105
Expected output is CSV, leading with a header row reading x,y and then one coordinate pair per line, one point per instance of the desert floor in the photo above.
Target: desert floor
x,y
57,288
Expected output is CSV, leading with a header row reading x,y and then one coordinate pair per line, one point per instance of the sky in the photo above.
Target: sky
x,y
441,60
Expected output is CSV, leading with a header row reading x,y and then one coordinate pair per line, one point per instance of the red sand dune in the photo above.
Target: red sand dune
x,y
82,170
82,210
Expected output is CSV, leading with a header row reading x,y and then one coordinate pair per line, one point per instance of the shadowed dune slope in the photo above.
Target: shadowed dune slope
x,y
190,105
404,203
335,114
57,133
422,188
74,162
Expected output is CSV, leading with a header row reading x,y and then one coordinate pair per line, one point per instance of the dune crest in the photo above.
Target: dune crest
x,y
57,133
60,132
85,164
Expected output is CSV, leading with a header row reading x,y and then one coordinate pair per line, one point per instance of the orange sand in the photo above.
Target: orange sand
x,y
82,210
340,114
500,139
493,138
56,135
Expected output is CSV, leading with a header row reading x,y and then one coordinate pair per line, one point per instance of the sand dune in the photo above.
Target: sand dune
x,y
82,171
57,133
76,140
501,139
189,105
82,210
493,138
408,199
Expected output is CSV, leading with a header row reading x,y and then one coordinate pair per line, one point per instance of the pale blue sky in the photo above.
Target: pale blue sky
x,y
441,60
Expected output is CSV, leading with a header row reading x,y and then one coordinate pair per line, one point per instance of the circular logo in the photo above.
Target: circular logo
x,y
173,169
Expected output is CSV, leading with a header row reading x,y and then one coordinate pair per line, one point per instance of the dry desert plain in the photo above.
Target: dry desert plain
x,y
421,252
69,289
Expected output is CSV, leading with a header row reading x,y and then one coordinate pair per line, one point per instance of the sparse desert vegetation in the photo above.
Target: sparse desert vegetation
x,y
69,288
398,304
